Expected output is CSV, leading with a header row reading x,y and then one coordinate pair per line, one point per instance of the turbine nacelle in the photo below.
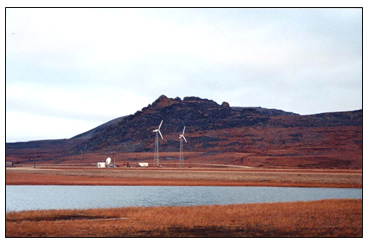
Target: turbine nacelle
x,y
182,135
158,130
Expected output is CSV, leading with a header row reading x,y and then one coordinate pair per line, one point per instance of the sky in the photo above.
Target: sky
x,y
69,70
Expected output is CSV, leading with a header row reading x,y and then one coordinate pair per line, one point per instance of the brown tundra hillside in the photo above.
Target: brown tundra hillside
x,y
248,136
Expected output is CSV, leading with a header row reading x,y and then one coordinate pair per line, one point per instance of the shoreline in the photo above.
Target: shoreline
x,y
157,177
323,218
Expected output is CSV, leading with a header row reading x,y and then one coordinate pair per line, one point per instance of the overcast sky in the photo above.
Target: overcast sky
x,y
70,70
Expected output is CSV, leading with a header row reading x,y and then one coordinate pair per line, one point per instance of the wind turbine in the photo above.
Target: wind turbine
x,y
156,154
181,138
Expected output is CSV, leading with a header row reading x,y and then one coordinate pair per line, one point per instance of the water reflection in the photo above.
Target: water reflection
x,y
81,197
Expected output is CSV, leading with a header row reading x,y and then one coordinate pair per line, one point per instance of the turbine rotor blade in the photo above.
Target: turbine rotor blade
x,y
183,130
160,135
184,139
160,124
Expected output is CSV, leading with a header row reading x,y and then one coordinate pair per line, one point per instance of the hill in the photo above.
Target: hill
x,y
265,137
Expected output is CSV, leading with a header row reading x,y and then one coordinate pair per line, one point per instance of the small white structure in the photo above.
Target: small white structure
x,y
108,160
143,164
104,164
101,164
9,164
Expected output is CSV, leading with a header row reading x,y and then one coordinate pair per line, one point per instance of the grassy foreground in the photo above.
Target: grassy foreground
x,y
325,218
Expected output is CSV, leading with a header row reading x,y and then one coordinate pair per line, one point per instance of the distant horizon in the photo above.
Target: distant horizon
x,y
70,69
182,99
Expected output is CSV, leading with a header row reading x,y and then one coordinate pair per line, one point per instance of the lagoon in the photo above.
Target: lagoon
x,y
19,198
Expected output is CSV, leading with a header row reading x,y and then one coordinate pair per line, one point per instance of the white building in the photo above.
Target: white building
x,y
104,164
101,164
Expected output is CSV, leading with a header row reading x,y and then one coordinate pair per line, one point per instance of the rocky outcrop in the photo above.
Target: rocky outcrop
x,y
205,122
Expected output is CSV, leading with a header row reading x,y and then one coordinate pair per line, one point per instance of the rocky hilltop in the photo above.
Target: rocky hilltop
x,y
134,133
334,139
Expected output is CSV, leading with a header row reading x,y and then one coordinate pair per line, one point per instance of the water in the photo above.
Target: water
x,y
20,198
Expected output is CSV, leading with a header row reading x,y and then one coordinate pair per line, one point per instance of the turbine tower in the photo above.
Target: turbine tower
x,y
156,154
181,138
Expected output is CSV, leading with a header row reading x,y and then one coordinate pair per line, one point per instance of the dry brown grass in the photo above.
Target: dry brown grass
x,y
325,218
185,177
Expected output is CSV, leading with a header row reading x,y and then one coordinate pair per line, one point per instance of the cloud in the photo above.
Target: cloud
x,y
23,126
98,64
94,103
